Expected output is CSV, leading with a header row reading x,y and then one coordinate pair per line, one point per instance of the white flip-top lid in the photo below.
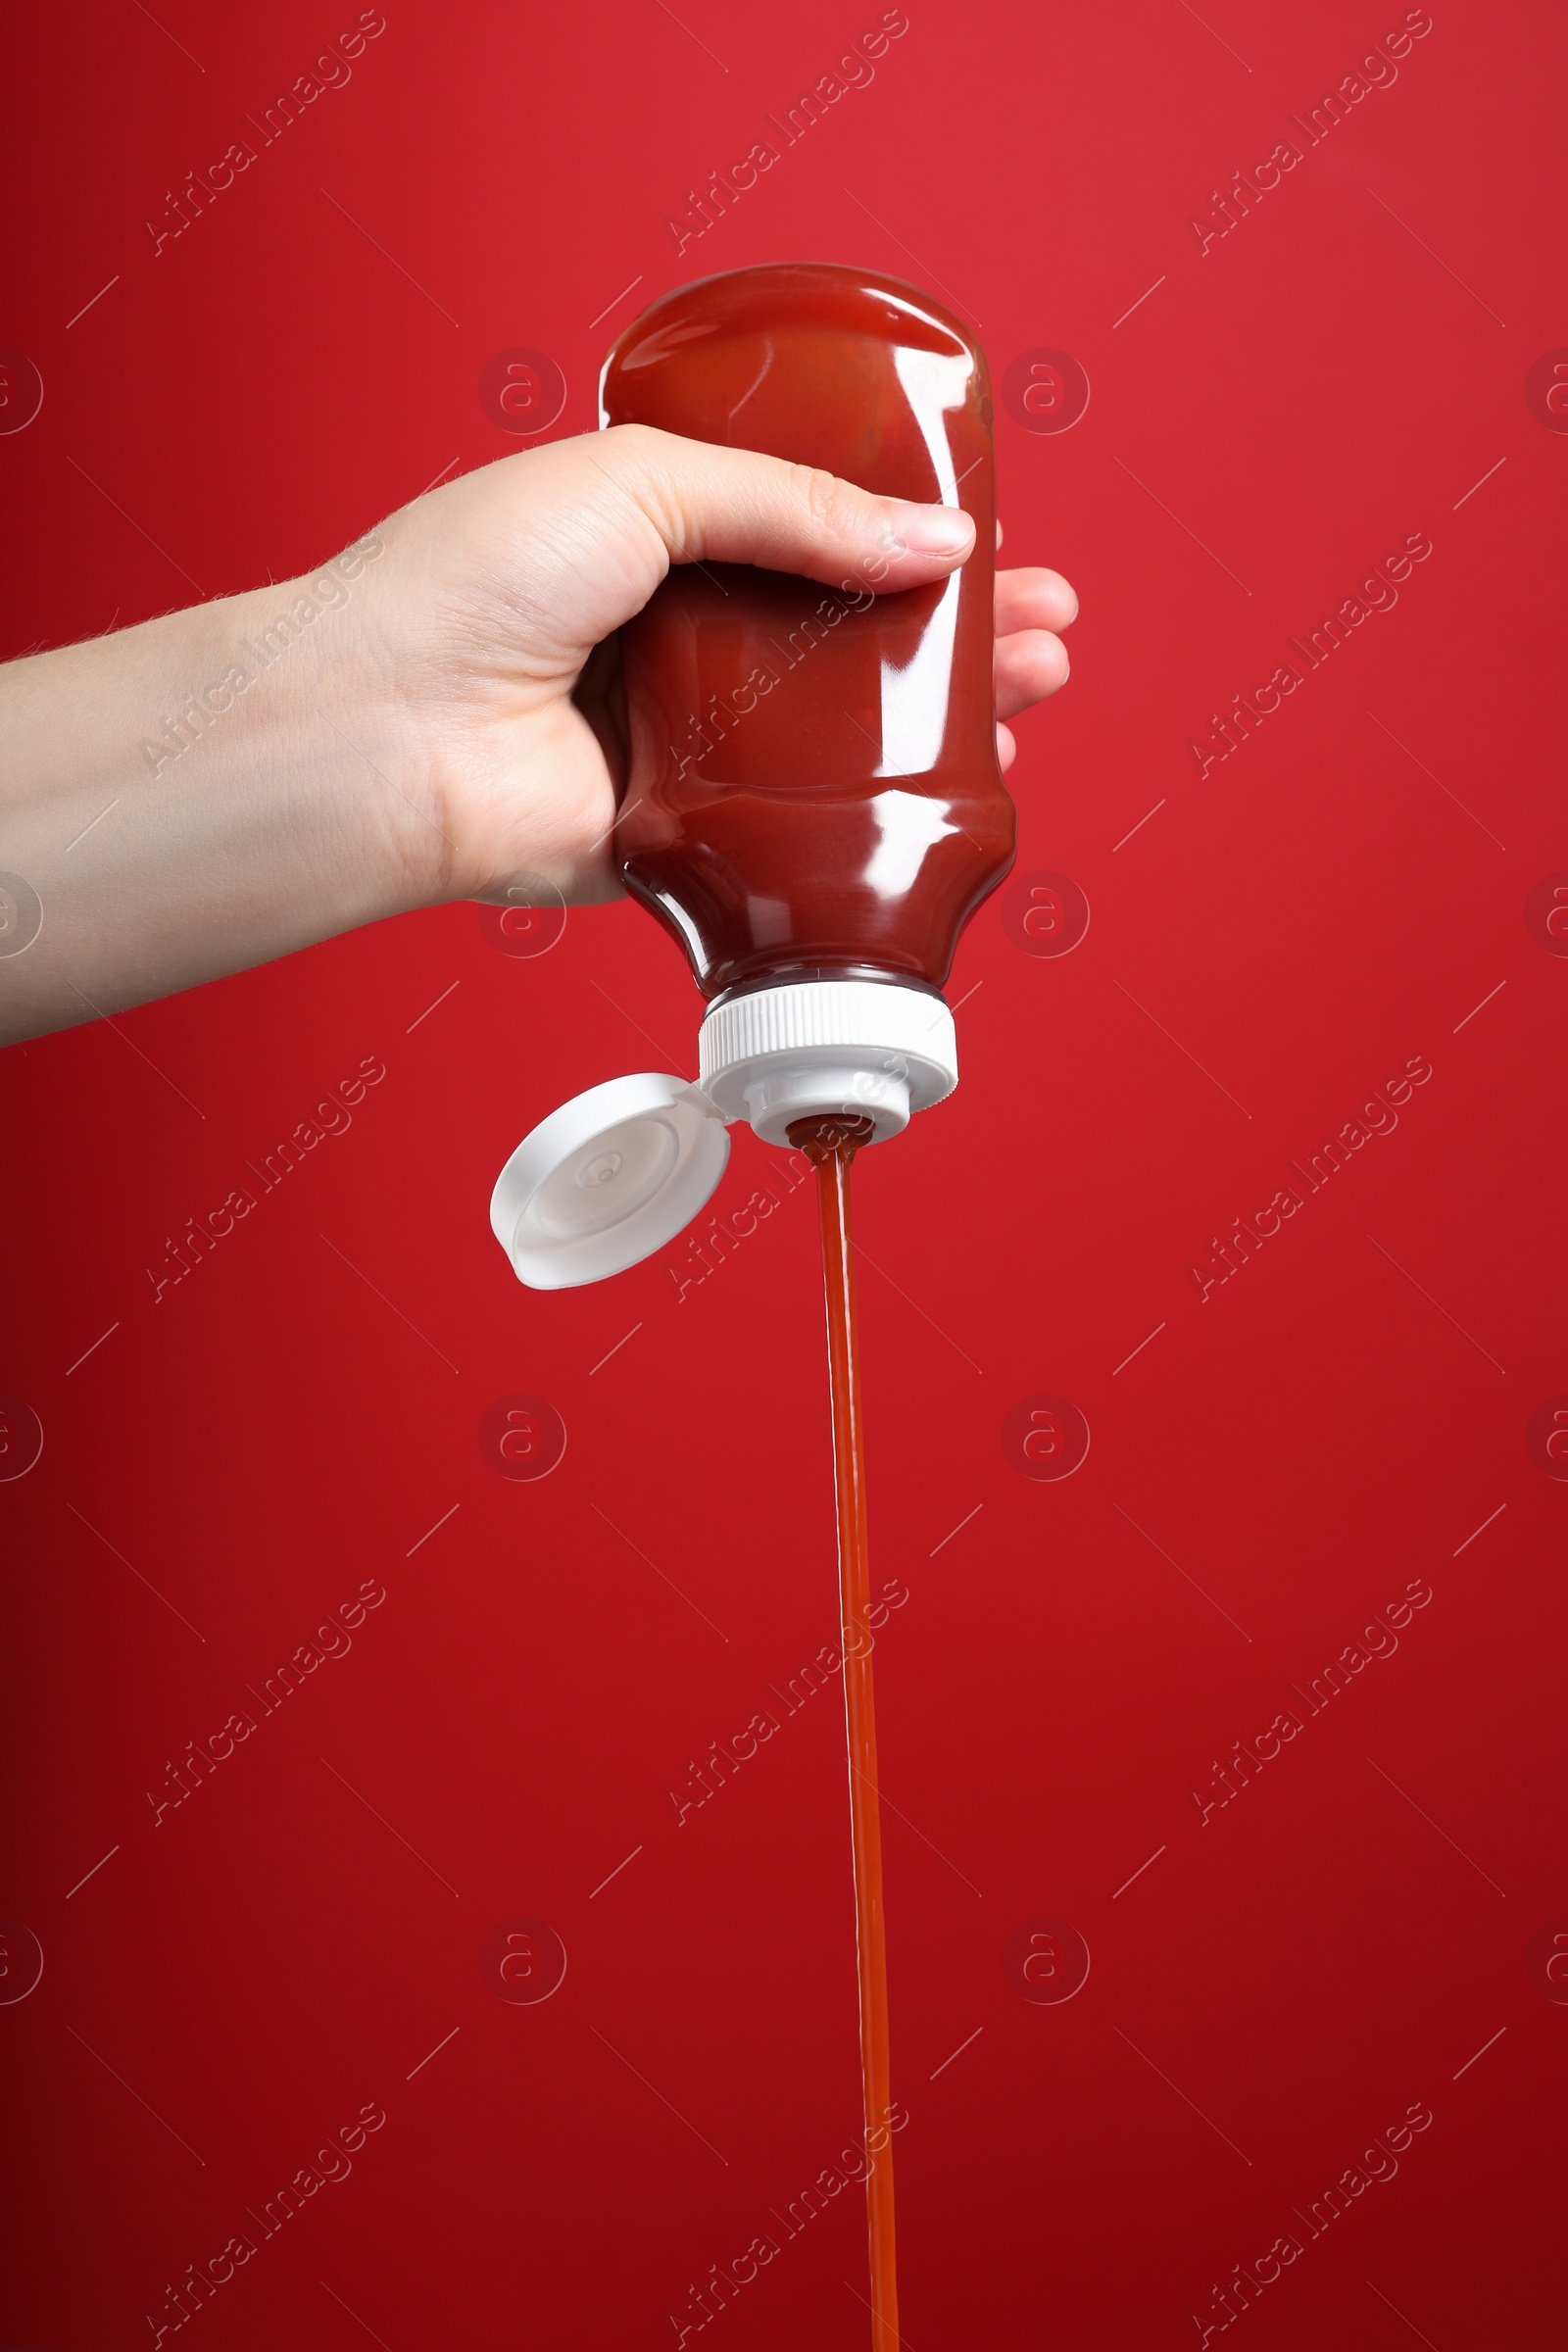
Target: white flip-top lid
x,y
615,1173
607,1179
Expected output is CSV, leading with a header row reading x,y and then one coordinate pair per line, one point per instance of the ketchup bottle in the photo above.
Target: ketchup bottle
x,y
813,805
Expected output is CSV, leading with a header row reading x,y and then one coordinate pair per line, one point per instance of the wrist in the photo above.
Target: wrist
x,y
309,668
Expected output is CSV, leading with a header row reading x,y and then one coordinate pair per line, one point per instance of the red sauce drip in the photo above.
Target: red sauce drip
x,y
831,1145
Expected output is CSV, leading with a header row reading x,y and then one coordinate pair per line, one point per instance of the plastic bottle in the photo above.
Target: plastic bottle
x,y
813,807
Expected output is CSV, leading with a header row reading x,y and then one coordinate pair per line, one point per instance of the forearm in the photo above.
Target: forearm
x,y
203,793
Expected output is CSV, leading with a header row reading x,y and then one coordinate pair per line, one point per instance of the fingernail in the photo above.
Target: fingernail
x,y
934,530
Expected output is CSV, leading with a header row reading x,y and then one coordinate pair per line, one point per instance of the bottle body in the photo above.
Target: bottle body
x,y
814,792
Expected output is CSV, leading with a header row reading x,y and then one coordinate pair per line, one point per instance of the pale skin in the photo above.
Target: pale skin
x,y
446,718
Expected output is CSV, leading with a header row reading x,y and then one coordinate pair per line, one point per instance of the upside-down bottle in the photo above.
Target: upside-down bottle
x,y
813,805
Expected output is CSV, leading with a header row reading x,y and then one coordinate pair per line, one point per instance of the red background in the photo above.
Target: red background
x,y
1285,1979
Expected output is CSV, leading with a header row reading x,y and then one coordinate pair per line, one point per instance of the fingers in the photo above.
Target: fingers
x,y
1029,664
1007,749
1034,599
1031,661
732,506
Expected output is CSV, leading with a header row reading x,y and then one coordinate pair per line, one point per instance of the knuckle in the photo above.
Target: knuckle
x,y
638,446
637,460
822,495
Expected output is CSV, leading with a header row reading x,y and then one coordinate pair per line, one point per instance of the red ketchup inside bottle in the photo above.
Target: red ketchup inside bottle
x,y
813,787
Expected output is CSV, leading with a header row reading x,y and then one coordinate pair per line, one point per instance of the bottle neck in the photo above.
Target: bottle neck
x,y
796,974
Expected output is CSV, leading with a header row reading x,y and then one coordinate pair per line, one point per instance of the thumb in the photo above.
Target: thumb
x,y
734,505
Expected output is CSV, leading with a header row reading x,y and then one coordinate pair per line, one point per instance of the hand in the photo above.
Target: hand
x,y
505,654
427,716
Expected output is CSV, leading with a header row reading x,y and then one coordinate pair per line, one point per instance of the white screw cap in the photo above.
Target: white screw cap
x,y
867,1048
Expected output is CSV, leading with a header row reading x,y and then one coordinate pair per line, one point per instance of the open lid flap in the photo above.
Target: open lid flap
x,y
607,1179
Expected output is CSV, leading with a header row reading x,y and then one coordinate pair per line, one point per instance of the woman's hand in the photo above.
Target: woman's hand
x,y
430,716
506,659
